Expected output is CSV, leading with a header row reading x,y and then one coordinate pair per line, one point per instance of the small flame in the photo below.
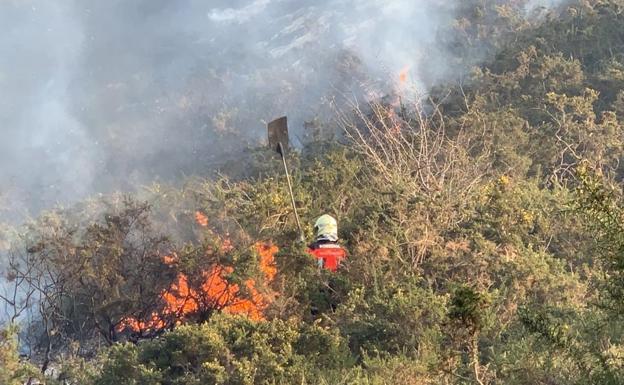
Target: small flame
x,y
201,219
267,253
170,259
404,75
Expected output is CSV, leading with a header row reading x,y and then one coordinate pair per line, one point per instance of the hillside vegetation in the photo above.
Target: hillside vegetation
x,y
484,224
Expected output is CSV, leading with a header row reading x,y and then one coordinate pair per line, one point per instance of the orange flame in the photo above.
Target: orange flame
x,y
215,292
404,75
201,219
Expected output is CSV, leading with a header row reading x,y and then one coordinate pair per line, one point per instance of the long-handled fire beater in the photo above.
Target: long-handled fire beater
x,y
278,140
325,247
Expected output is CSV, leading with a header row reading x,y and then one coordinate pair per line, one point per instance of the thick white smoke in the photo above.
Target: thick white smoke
x,y
100,95
44,148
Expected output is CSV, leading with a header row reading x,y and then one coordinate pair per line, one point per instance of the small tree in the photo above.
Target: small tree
x,y
468,315
84,275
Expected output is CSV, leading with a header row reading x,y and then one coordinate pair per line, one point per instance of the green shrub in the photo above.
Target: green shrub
x,y
13,371
230,350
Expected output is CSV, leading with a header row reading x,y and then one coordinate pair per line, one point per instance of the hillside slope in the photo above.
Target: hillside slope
x,y
484,230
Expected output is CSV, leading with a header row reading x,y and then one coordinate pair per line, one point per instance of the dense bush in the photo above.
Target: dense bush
x,y
227,350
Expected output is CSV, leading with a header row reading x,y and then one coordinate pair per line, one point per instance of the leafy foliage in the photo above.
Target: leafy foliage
x,y
226,350
12,370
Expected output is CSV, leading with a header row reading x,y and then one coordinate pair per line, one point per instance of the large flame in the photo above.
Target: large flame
x,y
181,301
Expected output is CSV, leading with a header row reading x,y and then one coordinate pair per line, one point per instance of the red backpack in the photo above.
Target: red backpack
x,y
328,254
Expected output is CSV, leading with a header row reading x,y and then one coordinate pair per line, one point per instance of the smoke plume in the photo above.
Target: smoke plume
x,y
103,95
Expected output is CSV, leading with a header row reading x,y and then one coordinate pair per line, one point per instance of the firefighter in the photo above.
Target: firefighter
x,y
325,248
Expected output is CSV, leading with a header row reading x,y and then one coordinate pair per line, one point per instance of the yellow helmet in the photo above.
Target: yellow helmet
x,y
326,228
